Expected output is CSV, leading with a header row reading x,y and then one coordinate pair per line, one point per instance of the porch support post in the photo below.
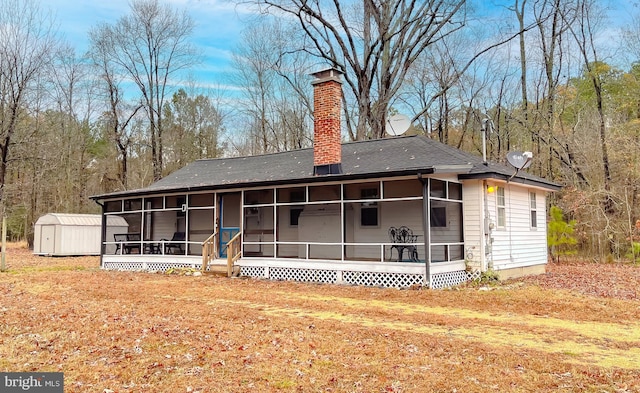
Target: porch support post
x,y
103,235
426,219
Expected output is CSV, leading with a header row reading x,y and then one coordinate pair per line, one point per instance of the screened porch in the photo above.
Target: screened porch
x,y
345,221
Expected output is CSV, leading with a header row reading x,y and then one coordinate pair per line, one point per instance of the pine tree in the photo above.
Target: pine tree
x,y
560,235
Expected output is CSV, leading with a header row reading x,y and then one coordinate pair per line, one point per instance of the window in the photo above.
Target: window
x,y
369,210
296,195
534,210
438,217
294,215
500,202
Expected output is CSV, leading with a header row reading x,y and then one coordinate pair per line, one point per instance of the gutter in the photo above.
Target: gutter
x,y
253,184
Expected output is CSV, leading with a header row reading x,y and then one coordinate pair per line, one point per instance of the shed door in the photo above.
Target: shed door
x,y
48,239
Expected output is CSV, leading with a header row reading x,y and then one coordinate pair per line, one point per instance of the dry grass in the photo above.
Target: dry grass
x,y
140,332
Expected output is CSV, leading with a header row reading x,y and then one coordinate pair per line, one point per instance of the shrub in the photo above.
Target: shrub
x,y
561,238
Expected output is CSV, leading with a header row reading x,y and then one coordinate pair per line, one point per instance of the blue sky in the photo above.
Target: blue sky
x,y
218,24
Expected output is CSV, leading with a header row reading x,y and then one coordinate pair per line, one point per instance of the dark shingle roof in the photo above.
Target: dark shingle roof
x,y
366,159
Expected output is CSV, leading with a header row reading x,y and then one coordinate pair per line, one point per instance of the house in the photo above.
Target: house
x,y
393,212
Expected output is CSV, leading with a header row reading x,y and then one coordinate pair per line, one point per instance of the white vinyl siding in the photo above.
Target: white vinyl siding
x,y
518,245
514,245
473,208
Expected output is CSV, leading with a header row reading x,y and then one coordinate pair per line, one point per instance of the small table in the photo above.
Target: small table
x,y
152,248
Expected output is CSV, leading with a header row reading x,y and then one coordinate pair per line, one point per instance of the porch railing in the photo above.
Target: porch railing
x,y
440,252
209,250
234,251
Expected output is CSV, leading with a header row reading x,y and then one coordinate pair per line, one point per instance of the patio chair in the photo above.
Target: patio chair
x,y
120,239
171,248
127,241
403,239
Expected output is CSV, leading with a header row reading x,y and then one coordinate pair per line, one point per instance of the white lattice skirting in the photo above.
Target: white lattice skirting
x,y
149,266
320,276
376,279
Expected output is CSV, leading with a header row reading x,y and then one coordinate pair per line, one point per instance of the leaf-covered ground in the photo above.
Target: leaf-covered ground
x,y
617,281
574,329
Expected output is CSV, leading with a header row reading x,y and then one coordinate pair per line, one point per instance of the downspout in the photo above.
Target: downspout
x,y
487,247
426,219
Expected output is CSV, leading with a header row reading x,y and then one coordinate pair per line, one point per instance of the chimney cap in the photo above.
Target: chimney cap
x,y
329,74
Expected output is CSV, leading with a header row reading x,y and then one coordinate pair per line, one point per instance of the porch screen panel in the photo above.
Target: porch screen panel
x,y
293,194
175,201
113,206
353,191
164,226
402,214
288,218
201,200
134,226
115,225
201,226
258,197
402,188
324,193
154,203
320,225
446,227
258,234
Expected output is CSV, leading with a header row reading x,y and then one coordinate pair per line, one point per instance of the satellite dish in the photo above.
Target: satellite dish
x,y
397,125
520,160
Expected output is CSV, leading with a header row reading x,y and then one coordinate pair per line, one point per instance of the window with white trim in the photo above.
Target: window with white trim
x,y
502,212
534,210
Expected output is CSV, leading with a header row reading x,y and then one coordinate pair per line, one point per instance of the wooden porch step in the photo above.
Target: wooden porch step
x,y
216,270
220,270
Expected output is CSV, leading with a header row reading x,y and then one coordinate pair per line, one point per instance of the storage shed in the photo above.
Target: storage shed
x,y
62,234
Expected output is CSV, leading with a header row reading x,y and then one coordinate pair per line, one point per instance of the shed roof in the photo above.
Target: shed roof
x,y
72,219
366,159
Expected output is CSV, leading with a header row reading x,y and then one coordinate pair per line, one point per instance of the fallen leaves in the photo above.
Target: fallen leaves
x,y
131,332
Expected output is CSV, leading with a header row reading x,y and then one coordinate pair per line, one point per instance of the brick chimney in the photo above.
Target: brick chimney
x,y
327,98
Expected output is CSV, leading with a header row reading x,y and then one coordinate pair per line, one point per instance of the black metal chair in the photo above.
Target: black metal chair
x,y
120,239
127,241
171,248
403,239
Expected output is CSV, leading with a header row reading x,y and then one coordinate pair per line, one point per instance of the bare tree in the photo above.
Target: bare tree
x,y
119,113
72,92
275,105
27,41
150,46
374,45
584,32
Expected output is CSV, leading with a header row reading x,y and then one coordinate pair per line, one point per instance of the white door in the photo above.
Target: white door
x,y
48,239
